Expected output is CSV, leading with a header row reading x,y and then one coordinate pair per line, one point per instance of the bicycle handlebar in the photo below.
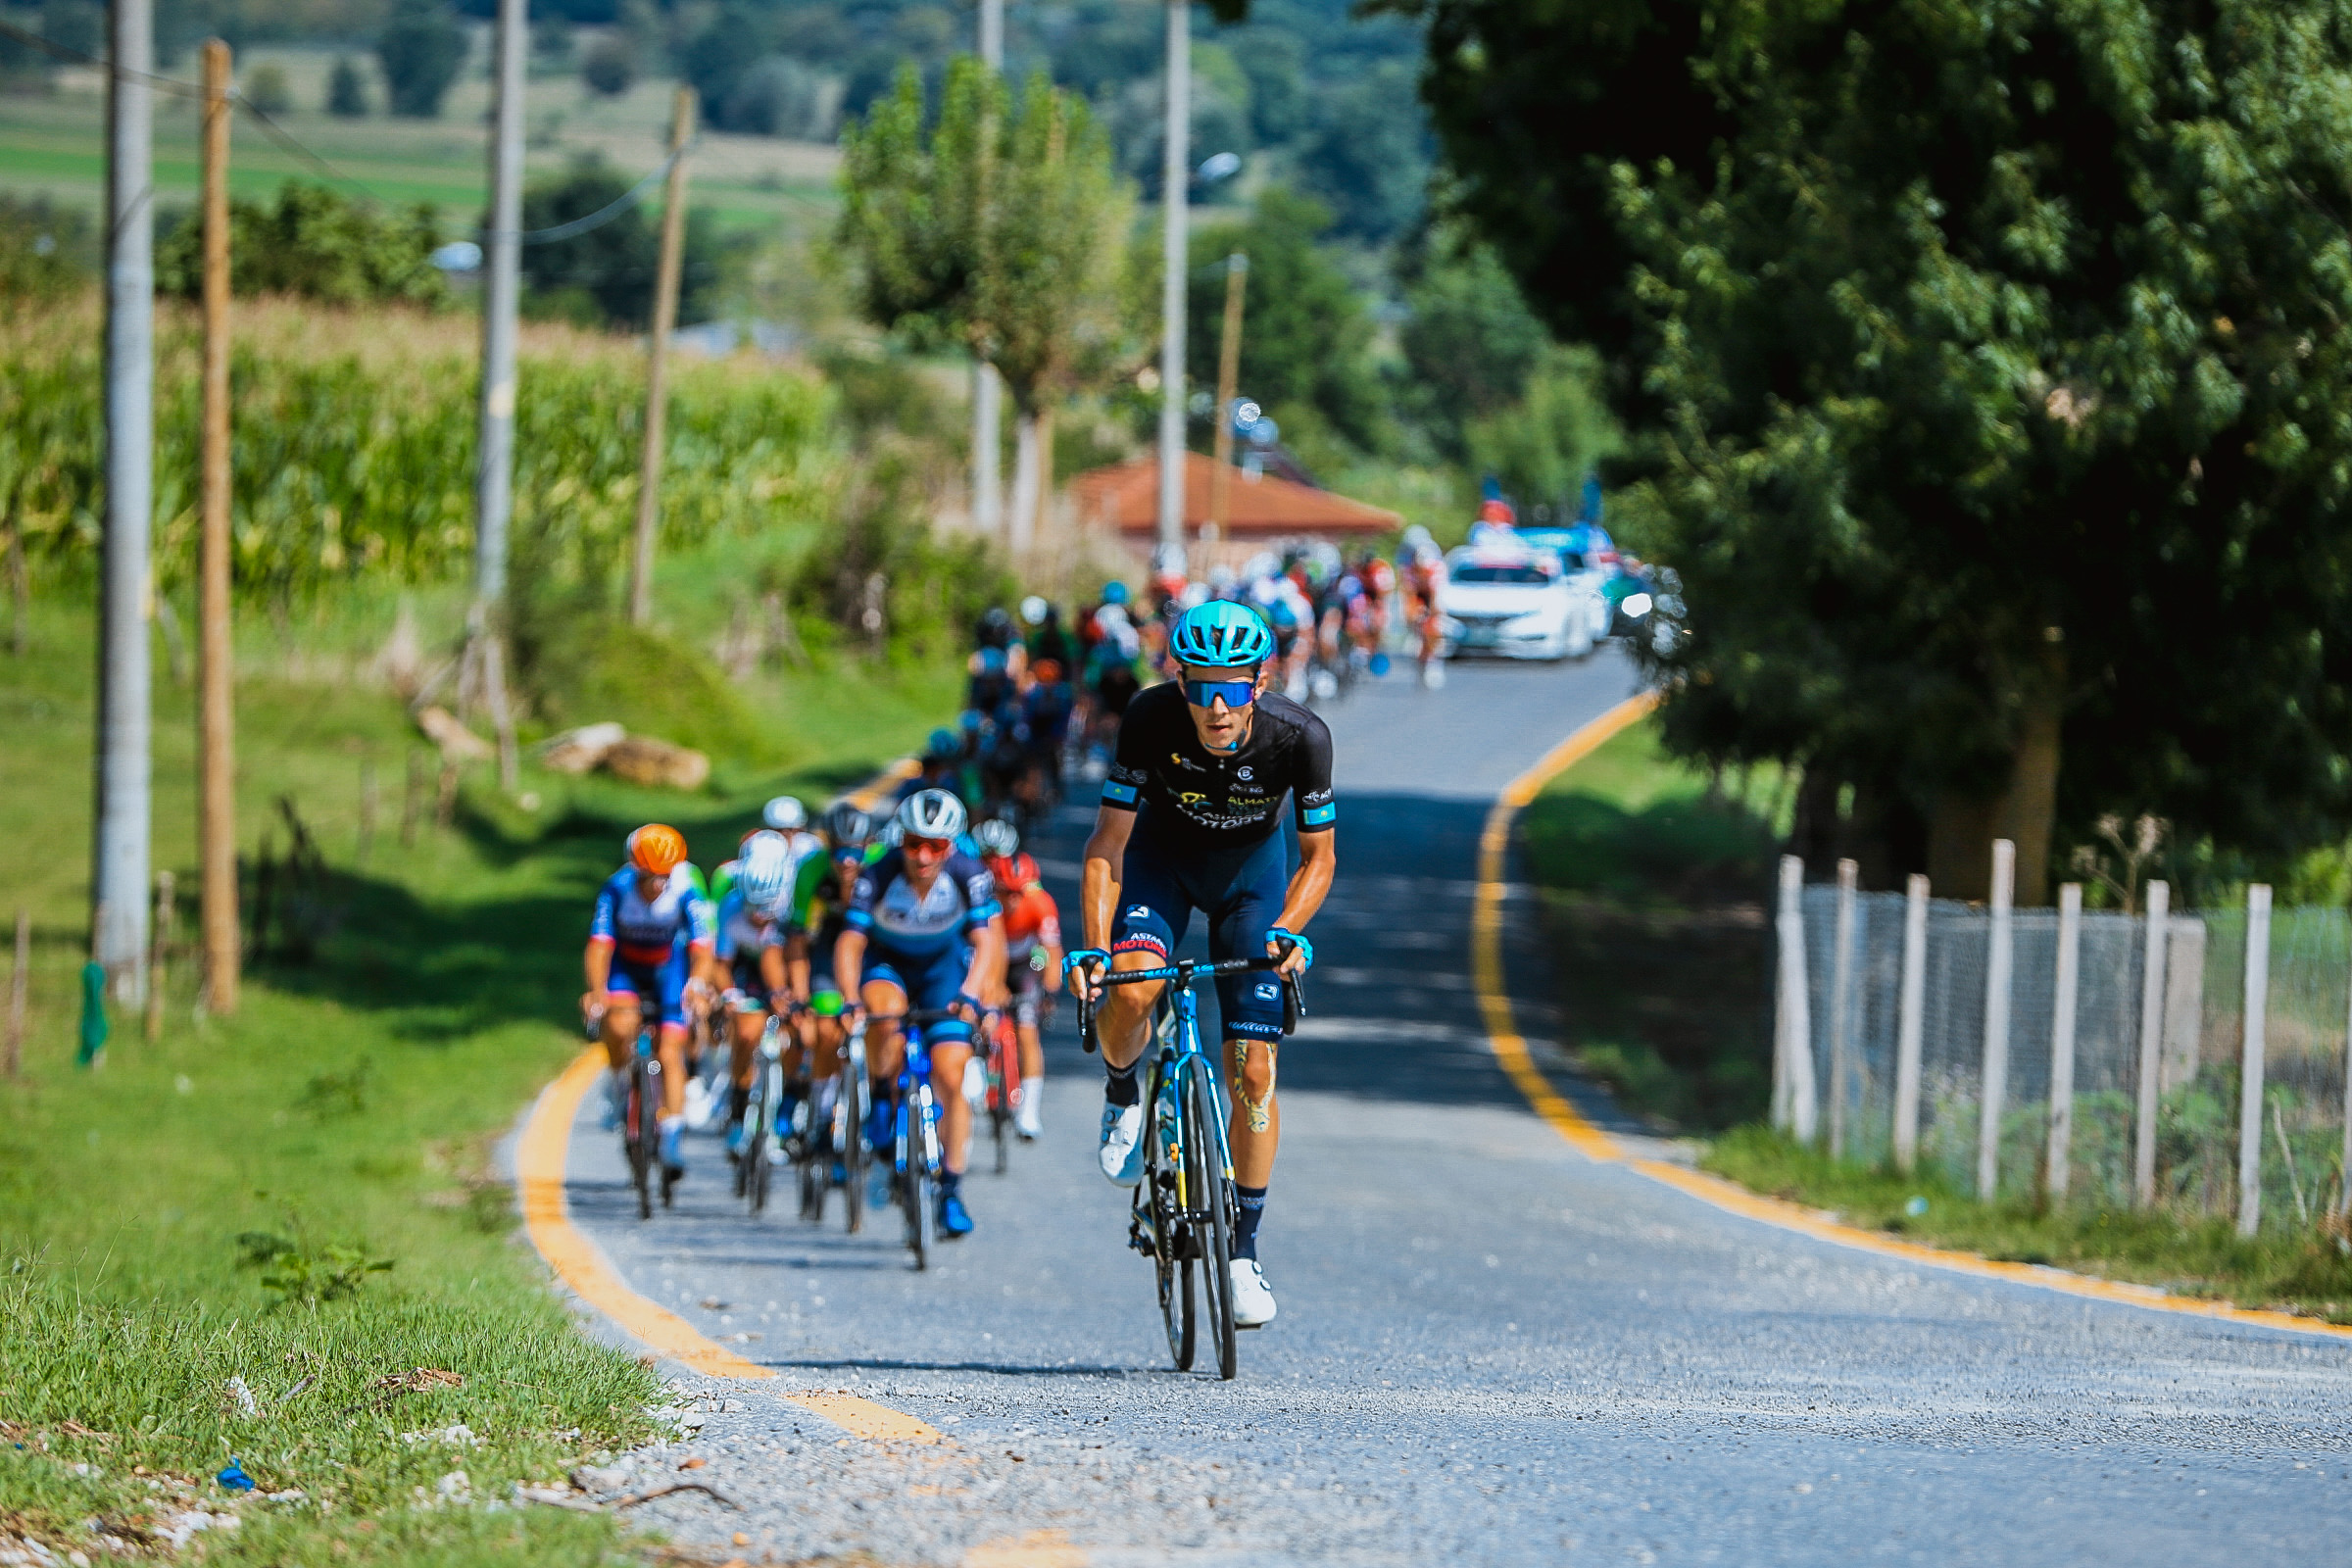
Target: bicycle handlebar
x,y
1187,970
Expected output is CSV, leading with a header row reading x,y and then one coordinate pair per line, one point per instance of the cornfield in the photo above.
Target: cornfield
x,y
353,440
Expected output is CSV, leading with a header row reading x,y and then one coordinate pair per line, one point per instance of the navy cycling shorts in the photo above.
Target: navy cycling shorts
x,y
660,988
930,983
1240,895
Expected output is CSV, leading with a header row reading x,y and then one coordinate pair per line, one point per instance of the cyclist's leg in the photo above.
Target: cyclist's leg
x,y
1251,1007
1152,915
885,997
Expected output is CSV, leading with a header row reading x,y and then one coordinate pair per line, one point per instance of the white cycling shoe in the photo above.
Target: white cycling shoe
x,y
1122,1153
1027,1116
1252,1302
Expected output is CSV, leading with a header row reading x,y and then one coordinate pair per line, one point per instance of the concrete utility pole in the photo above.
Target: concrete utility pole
x,y
1229,374
1175,169
988,388
119,858
657,360
217,790
494,480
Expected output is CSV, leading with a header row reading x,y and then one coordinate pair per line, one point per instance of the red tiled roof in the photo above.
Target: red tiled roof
x,y
1126,496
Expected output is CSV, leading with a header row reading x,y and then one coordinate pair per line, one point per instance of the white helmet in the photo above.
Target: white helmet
x,y
1033,610
764,871
785,812
997,837
932,814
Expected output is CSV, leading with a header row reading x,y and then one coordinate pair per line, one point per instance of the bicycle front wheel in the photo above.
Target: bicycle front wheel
x,y
644,1132
915,1174
1211,1200
849,1129
1176,1309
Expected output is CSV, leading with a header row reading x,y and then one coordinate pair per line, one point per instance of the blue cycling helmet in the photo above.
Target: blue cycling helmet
x,y
991,661
1115,593
943,745
1221,634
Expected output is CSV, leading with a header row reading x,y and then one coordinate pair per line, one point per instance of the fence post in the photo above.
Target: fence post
x,y
2249,1098
1908,1026
2062,1039
2151,1043
1841,1007
1793,1101
1995,1083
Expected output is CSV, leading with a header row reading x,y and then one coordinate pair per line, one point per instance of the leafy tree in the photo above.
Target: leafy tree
x,y
1469,341
605,276
1367,160
2004,388
347,89
608,66
268,90
997,225
1306,337
1541,445
421,50
45,248
313,242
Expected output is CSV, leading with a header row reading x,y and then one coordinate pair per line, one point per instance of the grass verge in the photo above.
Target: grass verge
x,y
277,1239
1652,888
2205,1258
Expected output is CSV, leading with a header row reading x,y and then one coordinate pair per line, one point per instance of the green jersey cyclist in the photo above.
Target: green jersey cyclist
x,y
1191,819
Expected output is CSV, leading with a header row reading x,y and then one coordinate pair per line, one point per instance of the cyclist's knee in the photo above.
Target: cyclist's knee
x,y
1253,1063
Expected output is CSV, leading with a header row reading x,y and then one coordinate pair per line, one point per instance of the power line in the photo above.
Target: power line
x,y
292,144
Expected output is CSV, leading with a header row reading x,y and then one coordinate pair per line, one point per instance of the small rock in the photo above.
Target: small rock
x,y
604,1478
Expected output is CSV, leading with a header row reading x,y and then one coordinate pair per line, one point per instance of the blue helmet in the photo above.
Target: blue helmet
x,y
942,746
1115,593
1221,634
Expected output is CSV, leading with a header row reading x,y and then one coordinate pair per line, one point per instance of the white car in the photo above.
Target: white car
x,y
1520,604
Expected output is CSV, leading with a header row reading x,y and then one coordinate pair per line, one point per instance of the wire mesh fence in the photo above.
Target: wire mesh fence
x,y
1879,969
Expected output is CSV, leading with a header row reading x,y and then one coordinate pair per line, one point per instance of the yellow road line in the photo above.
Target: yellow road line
x,y
1486,928
1495,1002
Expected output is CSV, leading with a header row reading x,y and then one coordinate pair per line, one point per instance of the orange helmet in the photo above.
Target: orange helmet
x,y
1017,871
657,848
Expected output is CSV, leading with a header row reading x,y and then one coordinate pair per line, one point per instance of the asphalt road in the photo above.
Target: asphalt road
x,y
1490,1348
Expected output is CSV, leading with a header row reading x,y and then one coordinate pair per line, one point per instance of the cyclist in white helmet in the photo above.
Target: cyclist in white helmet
x,y
922,933
765,959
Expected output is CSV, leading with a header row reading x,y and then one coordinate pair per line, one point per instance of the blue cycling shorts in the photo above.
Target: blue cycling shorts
x,y
660,987
1239,892
930,983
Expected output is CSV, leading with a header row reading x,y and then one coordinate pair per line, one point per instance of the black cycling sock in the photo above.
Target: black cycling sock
x,y
739,1100
1244,1227
1119,1087
950,1183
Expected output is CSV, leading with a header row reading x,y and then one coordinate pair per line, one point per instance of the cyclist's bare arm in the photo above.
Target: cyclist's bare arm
x,y
597,962
987,971
796,965
1310,883
1098,880
849,965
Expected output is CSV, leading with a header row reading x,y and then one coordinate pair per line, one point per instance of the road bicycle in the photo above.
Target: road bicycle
x,y
755,1166
1004,1070
1185,1208
641,1126
918,1149
833,1150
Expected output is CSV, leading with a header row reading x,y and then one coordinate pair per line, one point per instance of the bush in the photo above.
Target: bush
x,y
609,66
44,249
422,49
347,89
267,89
604,277
316,243
929,592
782,97
584,666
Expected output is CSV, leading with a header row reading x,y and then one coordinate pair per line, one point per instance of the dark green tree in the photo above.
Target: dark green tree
x,y
1307,339
604,276
1469,341
2003,389
347,89
1365,158
316,242
422,49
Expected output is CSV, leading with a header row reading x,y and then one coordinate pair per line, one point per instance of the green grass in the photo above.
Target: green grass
x,y
206,1205
2198,1257
1653,904
54,144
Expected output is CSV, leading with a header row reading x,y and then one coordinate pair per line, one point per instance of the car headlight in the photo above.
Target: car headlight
x,y
1635,605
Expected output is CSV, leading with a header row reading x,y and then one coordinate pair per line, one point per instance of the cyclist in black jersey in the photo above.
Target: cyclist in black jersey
x,y
1191,819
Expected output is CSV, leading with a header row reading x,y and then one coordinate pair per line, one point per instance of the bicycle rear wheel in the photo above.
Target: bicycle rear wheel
x,y
849,1126
1211,1200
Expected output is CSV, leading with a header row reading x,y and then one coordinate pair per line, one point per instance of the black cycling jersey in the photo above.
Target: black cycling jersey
x,y
1191,798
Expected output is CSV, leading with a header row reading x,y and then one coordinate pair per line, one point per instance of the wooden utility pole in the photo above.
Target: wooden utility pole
x,y
657,360
1175,233
216,787
1229,374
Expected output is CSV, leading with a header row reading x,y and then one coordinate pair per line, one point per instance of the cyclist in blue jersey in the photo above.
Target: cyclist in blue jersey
x,y
650,934
1192,819
922,933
